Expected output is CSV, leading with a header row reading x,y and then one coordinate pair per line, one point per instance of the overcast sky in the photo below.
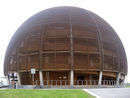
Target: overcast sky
x,y
14,12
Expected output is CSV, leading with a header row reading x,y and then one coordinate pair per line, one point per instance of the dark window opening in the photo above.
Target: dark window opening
x,y
80,78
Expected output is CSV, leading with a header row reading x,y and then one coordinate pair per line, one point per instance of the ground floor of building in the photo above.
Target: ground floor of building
x,y
71,77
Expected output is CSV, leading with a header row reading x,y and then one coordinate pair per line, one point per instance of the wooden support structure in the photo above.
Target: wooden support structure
x,y
100,78
71,41
118,79
19,80
41,78
71,77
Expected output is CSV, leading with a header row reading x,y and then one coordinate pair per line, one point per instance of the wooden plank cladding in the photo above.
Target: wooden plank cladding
x,y
68,40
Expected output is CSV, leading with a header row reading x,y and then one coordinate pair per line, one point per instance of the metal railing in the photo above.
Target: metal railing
x,y
77,84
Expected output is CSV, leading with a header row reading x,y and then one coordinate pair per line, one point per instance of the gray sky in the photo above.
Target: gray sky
x,y
14,12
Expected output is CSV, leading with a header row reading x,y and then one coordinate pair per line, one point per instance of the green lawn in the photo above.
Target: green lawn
x,y
65,93
127,86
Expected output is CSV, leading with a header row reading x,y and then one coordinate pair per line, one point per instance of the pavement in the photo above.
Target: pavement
x,y
110,92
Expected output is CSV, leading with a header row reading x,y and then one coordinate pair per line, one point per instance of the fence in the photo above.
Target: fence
x,y
77,84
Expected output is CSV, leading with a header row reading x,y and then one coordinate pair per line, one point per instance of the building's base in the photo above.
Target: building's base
x,y
67,86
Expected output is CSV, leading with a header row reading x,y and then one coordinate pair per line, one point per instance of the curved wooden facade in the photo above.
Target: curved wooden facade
x,y
61,39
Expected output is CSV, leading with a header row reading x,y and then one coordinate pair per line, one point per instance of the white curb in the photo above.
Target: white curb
x,y
91,93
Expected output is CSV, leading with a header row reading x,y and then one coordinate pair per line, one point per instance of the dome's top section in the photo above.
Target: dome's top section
x,y
72,15
59,17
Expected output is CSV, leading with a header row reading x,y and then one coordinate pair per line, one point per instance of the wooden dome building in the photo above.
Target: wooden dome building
x,y
65,43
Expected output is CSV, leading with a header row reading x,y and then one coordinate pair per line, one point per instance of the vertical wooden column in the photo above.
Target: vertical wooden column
x,y
117,78
100,41
41,58
100,78
18,77
40,51
71,53
71,78
41,78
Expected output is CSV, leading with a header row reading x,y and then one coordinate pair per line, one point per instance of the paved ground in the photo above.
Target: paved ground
x,y
111,92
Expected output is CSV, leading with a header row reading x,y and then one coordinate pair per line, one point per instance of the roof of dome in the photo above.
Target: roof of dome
x,y
65,15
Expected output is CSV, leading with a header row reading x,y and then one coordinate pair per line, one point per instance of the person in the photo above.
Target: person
x,y
14,85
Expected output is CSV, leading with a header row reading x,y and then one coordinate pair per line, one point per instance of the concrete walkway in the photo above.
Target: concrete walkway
x,y
110,92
